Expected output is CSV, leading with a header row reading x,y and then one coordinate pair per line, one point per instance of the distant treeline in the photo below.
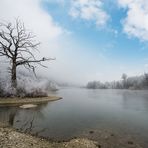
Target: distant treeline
x,y
135,82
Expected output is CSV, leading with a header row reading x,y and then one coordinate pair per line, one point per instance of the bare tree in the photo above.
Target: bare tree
x,y
17,44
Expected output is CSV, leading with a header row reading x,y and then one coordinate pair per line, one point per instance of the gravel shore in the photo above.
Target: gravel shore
x,y
9,138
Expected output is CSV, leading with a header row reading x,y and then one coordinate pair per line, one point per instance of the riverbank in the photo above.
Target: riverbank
x,y
9,138
21,101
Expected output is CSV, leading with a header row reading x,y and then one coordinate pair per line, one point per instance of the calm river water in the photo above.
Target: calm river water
x,y
81,110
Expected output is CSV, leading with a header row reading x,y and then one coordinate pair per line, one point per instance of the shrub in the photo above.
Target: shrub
x,y
36,92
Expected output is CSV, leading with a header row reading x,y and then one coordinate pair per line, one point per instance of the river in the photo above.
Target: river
x,y
82,110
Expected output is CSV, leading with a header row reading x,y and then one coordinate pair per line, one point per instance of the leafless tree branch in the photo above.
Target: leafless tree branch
x,y
17,44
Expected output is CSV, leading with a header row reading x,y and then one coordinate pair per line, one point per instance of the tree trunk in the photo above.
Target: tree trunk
x,y
13,75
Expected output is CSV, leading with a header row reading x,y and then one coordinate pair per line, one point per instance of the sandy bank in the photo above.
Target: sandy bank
x,y
21,101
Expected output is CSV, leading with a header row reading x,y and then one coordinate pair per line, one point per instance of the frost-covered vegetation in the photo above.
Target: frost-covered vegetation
x,y
28,86
135,82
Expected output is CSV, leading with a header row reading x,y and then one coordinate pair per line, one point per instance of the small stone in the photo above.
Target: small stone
x,y
106,137
91,132
98,145
26,106
130,142
74,137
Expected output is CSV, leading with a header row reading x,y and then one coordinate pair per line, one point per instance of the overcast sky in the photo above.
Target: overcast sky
x,y
91,39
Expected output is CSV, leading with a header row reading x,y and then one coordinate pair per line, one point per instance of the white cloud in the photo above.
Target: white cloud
x,y
34,17
90,10
136,22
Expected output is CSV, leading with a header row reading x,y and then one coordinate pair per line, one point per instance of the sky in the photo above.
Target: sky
x,y
90,39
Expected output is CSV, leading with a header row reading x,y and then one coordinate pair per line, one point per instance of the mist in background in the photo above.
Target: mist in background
x,y
89,39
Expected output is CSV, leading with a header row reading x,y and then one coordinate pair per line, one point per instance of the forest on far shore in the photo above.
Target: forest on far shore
x,y
134,82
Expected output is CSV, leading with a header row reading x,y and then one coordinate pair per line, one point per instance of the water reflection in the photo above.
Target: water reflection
x,y
7,115
22,119
135,100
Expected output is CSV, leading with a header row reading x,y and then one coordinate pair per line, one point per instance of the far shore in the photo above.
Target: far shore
x,y
21,101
